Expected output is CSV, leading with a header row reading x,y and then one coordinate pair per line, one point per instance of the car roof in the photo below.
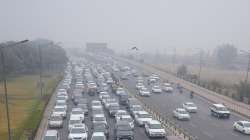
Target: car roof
x,y
180,109
74,117
154,122
219,105
189,103
51,133
98,134
99,115
142,112
244,121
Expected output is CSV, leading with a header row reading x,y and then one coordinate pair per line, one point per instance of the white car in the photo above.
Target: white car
x,y
51,135
181,114
119,113
119,91
139,86
142,117
59,110
144,92
78,132
62,104
127,118
78,112
98,136
154,129
55,121
167,87
190,107
242,126
73,120
99,118
156,89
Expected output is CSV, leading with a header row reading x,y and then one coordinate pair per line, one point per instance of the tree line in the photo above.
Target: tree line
x,y
25,58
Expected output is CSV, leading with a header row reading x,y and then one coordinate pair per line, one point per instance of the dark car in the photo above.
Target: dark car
x,y
123,98
123,130
101,127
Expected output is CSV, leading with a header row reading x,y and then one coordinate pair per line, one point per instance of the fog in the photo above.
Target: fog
x,y
151,25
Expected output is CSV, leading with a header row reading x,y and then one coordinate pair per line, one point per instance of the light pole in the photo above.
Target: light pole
x,y
248,64
5,83
174,60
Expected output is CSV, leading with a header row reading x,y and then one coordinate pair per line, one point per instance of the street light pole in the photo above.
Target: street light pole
x,y
40,71
200,66
248,68
5,92
5,84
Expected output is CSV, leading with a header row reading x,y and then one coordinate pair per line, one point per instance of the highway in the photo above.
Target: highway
x,y
202,124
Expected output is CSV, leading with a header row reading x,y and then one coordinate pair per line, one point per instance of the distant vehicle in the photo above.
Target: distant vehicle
x,y
55,121
138,86
123,131
144,92
135,109
113,108
101,127
123,98
127,118
92,88
242,126
84,108
154,129
124,76
220,111
142,117
190,107
156,89
73,120
119,113
181,114
98,136
167,87
58,110
99,118
119,91
78,132
77,112
51,135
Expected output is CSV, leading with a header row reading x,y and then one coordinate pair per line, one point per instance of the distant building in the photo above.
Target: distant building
x,y
98,48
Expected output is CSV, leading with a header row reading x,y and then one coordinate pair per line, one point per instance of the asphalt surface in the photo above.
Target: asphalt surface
x,y
202,124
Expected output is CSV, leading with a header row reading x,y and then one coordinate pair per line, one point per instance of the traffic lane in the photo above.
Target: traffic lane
x,y
202,124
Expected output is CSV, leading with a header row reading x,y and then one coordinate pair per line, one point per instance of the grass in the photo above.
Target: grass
x,y
25,104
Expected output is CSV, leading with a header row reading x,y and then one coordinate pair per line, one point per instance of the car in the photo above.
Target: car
x,y
55,121
156,89
99,118
144,92
242,126
78,132
51,135
139,86
101,127
108,102
119,113
123,98
113,108
74,120
219,111
127,118
167,87
62,104
84,108
135,109
190,107
181,114
95,103
59,110
119,90
98,136
154,129
123,130
141,117
110,80
78,112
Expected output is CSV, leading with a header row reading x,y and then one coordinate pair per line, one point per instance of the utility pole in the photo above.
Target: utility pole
x,y
174,60
5,83
40,71
248,68
200,68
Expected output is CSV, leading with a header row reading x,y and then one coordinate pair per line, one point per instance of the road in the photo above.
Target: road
x,y
202,124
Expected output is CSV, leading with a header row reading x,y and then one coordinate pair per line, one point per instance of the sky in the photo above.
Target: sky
x,y
151,25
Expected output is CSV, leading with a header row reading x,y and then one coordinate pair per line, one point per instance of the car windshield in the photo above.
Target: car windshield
x,y
137,108
76,112
129,119
59,109
191,105
155,126
74,121
50,138
144,116
222,108
60,104
182,112
99,127
99,119
114,107
247,124
124,127
77,130
98,138
56,118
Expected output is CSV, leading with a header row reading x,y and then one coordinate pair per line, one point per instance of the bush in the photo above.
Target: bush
x,y
243,90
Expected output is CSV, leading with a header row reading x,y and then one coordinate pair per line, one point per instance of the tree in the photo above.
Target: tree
x,y
182,70
225,54
243,90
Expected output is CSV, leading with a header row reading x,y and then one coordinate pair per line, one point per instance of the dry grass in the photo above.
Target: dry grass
x,y
23,95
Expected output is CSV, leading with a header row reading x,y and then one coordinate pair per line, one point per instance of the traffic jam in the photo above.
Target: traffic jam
x,y
93,104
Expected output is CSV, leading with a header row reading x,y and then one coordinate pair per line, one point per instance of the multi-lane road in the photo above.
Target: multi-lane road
x,y
202,124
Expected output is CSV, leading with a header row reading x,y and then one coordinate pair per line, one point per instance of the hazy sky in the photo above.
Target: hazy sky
x,y
155,25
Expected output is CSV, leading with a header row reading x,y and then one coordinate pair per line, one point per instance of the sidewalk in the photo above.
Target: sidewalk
x,y
238,107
